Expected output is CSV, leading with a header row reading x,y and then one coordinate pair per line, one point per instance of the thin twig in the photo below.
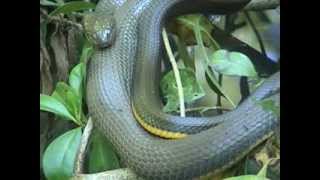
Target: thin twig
x,y
83,145
176,72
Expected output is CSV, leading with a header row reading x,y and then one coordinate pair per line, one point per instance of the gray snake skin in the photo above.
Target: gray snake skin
x,y
126,73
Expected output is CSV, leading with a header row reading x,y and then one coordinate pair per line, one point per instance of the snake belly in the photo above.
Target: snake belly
x,y
125,75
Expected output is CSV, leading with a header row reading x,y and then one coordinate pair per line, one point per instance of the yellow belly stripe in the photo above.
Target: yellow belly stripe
x,y
157,131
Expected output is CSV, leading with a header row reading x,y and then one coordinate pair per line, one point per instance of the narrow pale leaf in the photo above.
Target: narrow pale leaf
x,y
76,78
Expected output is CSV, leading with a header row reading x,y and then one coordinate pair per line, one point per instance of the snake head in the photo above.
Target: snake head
x,y
100,29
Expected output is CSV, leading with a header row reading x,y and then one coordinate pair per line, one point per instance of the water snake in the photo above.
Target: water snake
x,y
122,87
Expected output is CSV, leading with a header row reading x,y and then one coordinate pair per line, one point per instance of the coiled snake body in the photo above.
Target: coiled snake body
x,y
122,86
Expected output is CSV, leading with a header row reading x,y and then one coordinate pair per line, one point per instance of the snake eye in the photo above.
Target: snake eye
x,y
100,29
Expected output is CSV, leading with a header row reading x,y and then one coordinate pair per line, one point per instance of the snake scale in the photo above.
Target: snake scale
x,y
122,86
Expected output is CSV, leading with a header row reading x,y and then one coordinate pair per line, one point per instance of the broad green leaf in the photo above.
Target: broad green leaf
x,y
73,6
232,63
247,177
191,89
53,105
68,96
102,157
76,78
59,157
269,105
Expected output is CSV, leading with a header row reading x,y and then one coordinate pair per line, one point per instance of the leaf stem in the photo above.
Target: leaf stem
x,y
175,71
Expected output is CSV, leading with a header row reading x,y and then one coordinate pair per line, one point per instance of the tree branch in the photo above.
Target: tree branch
x,y
83,145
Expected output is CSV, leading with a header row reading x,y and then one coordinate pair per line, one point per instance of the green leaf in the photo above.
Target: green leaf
x,y
193,20
53,105
191,89
76,78
102,157
73,6
232,63
247,177
206,61
68,96
47,3
59,157
202,70
200,22
87,51
202,29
